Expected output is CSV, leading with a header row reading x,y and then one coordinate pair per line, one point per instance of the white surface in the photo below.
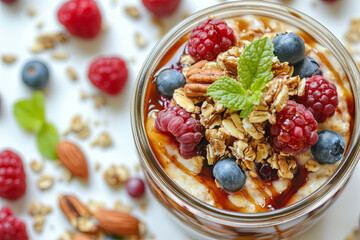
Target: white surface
x,y
17,34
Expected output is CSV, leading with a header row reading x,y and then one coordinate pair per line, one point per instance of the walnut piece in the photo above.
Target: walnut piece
x,y
116,176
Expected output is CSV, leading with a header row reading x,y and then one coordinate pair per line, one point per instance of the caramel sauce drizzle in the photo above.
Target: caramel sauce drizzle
x,y
221,198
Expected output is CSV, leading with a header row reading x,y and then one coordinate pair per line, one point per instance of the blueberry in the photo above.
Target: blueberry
x,y
168,80
229,174
35,74
329,148
289,47
307,68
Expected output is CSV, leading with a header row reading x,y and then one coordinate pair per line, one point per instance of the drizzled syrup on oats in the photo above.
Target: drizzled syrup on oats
x,y
273,199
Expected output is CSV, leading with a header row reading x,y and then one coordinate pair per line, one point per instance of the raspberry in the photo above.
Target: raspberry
x,y
161,7
108,74
187,130
8,1
320,98
294,130
209,38
81,18
11,228
12,176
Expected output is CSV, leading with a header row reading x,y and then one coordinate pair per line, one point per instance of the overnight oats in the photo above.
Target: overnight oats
x,y
245,119
249,115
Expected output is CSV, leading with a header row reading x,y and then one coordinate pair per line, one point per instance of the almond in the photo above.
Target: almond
x,y
118,223
73,159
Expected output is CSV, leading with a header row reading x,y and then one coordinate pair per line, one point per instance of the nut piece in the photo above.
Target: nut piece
x,y
39,212
132,11
116,176
116,222
77,213
71,73
8,58
104,140
140,40
73,159
45,182
79,127
36,166
183,101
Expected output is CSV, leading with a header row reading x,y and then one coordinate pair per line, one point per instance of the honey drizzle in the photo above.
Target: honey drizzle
x,y
221,198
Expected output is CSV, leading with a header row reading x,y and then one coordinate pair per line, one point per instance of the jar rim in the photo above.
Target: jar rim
x,y
257,8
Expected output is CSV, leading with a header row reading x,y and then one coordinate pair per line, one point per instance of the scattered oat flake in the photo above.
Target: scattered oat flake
x,y
99,100
121,207
8,58
48,41
36,166
32,11
39,211
71,73
60,55
66,176
132,11
96,123
67,235
143,207
140,40
105,27
79,127
40,24
83,95
97,166
94,206
45,182
103,140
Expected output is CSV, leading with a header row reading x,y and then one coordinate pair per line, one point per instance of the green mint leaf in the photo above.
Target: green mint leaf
x,y
47,139
29,113
246,112
229,93
255,62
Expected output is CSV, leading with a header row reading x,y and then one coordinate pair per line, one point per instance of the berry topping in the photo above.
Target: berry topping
x,y
320,98
209,38
229,175
329,148
35,74
81,18
8,1
161,7
11,228
12,176
289,47
294,130
307,68
187,130
108,74
168,80
135,187
266,173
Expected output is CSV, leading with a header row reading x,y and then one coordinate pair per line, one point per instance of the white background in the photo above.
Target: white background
x,y
17,34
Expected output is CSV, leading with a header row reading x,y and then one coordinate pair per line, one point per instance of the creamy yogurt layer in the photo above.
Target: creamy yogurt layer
x,y
302,174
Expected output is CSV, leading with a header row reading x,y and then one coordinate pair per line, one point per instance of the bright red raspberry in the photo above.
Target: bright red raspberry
x,y
320,98
11,228
210,38
109,74
81,18
294,130
8,1
161,8
12,176
186,130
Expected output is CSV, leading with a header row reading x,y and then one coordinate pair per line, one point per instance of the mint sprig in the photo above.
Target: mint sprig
x,y
30,114
254,70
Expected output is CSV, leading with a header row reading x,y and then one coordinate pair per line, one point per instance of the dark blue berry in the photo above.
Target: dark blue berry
x,y
229,174
329,148
168,80
307,68
35,74
289,47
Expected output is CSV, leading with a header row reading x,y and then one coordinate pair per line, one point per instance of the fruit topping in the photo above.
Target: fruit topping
x,y
329,148
168,80
187,130
11,228
109,74
81,18
8,1
12,176
307,68
266,173
294,130
320,98
289,47
209,38
229,175
135,187
35,74
161,7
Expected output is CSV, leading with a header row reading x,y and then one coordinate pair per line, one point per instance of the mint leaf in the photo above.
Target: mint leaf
x,y
255,62
47,139
229,93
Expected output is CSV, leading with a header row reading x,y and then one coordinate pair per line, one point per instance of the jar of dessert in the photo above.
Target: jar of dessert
x,y
246,120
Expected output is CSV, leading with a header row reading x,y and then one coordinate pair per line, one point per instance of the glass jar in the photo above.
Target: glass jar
x,y
223,224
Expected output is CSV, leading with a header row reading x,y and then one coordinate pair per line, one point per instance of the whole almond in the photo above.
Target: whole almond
x,y
73,159
118,223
